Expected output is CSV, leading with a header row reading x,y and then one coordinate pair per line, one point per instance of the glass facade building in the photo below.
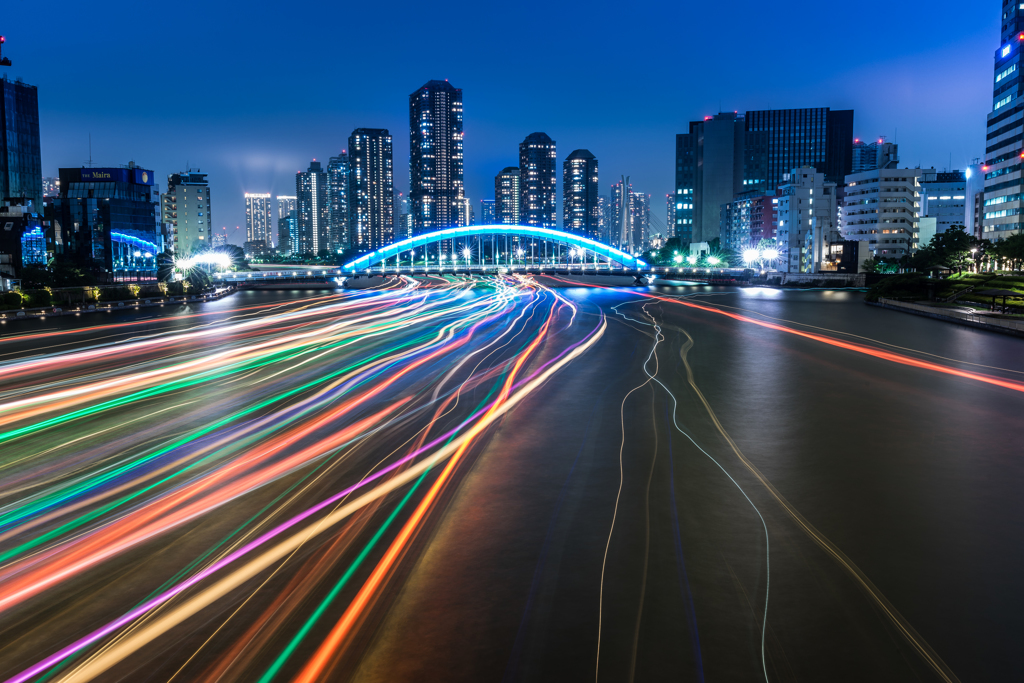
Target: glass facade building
x,y
21,168
1004,158
105,220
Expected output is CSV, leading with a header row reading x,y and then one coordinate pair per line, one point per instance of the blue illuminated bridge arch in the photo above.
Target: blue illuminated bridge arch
x,y
590,247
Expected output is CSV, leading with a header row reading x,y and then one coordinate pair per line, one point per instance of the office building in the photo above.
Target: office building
x,y
186,210
749,219
219,239
882,207
370,189
21,167
670,215
403,215
22,240
806,213
974,208
630,217
603,207
619,224
487,212
287,223
51,187
865,155
869,156
818,137
537,181
337,201
466,215
507,196
104,221
944,198
285,205
436,185
580,210
258,220
313,211
640,219
1004,181
726,155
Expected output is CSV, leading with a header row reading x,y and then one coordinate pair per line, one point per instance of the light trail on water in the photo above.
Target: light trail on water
x,y
252,470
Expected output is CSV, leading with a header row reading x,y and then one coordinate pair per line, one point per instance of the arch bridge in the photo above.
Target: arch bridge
x,y
482,246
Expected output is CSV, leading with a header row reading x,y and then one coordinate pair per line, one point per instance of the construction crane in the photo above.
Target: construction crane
x,y
3,60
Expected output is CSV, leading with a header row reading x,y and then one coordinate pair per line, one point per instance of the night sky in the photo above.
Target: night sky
x,y
250,92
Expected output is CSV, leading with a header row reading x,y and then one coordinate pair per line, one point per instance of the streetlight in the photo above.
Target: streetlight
x,y
751,255
692,260
713,260
466,253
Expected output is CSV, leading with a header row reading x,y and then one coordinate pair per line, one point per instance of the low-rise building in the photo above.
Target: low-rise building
x,y
807,218
883,207
105,221
944,198
186,209
749,219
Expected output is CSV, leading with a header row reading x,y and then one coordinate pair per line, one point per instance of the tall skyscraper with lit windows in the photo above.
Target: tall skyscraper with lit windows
x,y
537,181
436,186
506,196
337,200
287,223
1004,161
313,210
580,210
257,218
370,189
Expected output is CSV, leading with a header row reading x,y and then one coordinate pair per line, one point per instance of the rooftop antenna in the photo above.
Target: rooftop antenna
x,y
90,150
3,60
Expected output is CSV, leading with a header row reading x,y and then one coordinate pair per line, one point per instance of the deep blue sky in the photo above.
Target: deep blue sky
x,y
250,92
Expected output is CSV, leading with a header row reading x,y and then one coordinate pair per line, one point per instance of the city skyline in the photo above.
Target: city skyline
x,y
261,148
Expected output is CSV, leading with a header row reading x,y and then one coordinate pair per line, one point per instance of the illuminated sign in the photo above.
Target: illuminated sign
x,y
138,176
1006,50
109,175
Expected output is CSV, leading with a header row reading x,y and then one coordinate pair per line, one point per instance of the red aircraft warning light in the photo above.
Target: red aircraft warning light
x,y
3,60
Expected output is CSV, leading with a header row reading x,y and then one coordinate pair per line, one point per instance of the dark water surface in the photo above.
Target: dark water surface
x,y
609,531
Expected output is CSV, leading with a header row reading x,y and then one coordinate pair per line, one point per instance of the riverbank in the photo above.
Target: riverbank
x,y
976,320
108,306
